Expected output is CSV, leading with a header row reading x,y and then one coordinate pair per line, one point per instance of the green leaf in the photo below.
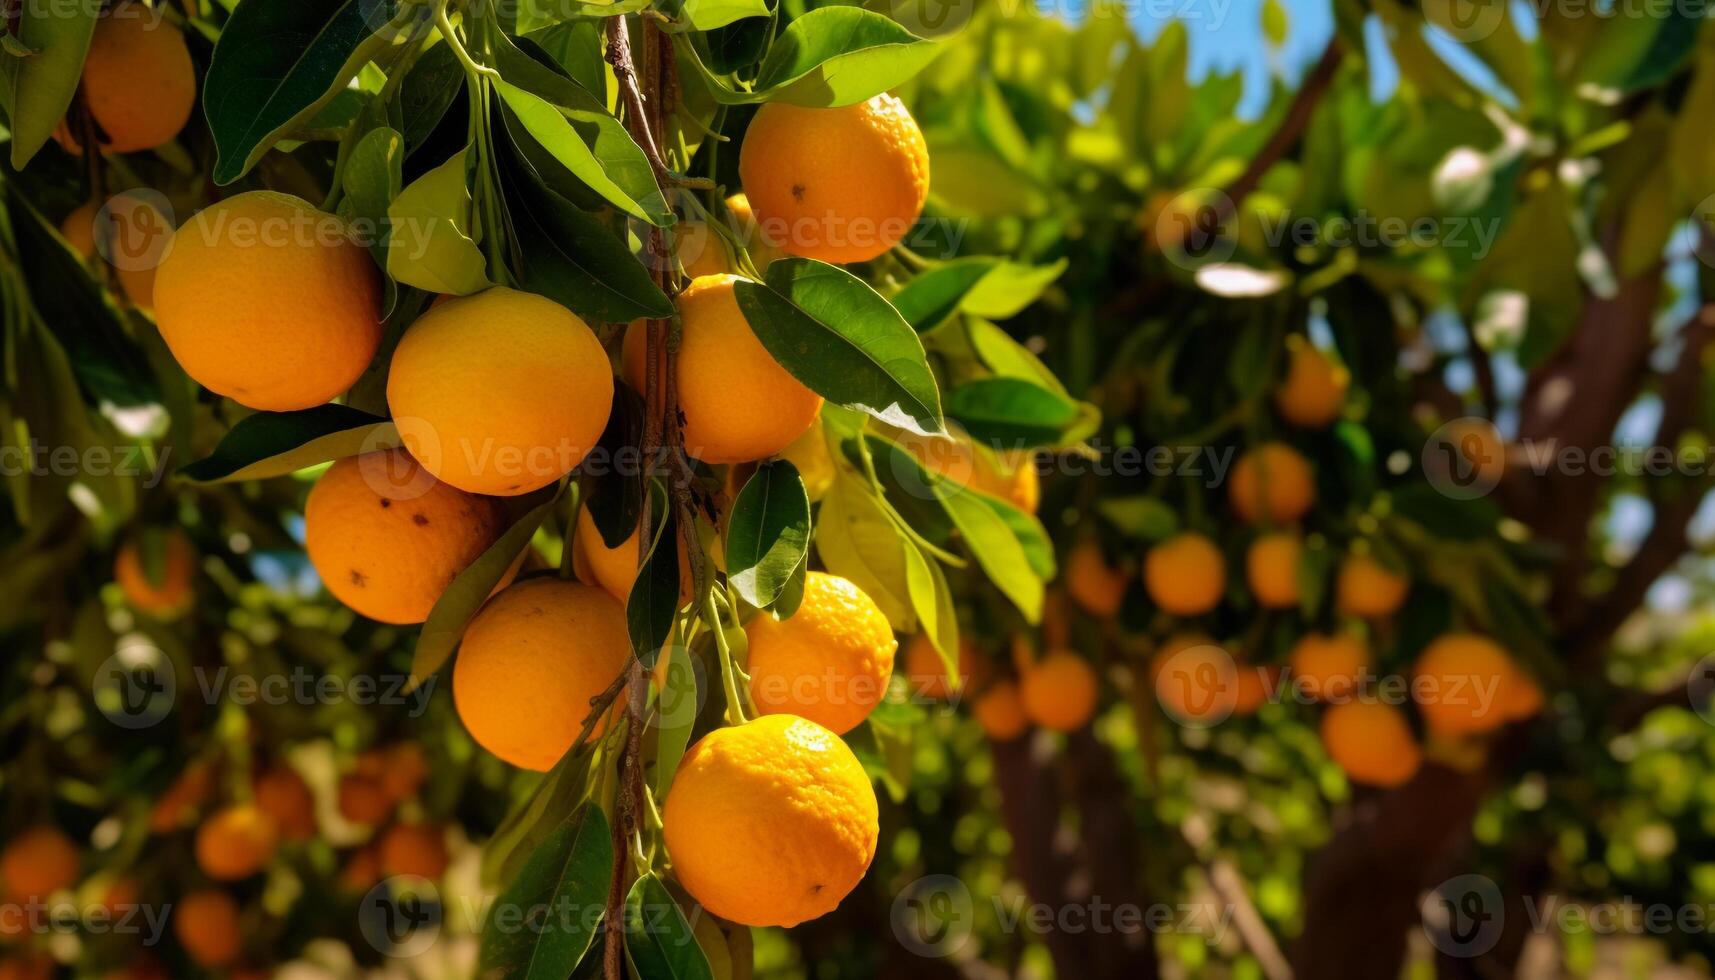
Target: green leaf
x,y
1009,287
1028,531
277,64
839,55
858,541
427,92
1007,357
932,600
429,243
538,929
40,87
1141,517
654,598
677,714
1013,413
707,15
461,600
842,340
529,822
768,533
269,444
935,295
997,549
372,179
661,944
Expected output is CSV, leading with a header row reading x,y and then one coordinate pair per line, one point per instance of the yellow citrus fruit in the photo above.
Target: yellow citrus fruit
x,y
531,661
1195,679
404,771
839,185
1329,667
1000,712
1461,684
700,252
236,842
500,392
772,822
1271,566
138,82
178,806
1059,691
170,592
928,674
1272,484
265,300
414,849
1372,742
1185,574
762,250
38,862
1364,587
387,538
815,464
738,403
363,800
283,795
829,662
1314,389
206,923
1097,587
615,569
137,238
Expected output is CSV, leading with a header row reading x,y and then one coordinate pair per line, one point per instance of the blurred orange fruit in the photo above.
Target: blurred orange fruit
x,y
1272,484
38,862
1364,587
168,591
1314,389
414,849
1097,587
1329,667
283,795
927,673
236,842
1271,567
207,925
1185,575
1000,712
1059,691
363,800
138,83
1372,742
1461,684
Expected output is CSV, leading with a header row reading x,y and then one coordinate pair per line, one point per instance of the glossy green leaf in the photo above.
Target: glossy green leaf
x,y
538,928
707,15
768,533
270,444
1012,413
935,295
654,599
856,540
40,86
659,940
839,55
430,245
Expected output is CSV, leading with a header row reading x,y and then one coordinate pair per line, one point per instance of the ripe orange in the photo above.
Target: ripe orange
x,y
928,674
500,392
1253,685
137,240
1196,680
1272,484
1185,574
1365,587
387,538
236,842
166,595
1271,566
1000,712
138,82
1314,389
840,185
206,923
829,662
38,862
1371,742
1097,587
283,795
763,251
1329,667
772,822
531,661
266,300
405,770
364,800
414,849
1059,691
738,403
1461,684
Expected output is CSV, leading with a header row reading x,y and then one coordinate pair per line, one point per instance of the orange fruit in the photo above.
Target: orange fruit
x,y
839,185
1329,667
266,300
1196,680
283,795
615,569
362,870
1010,476
928,674
166,590
1314,389
829,662
1461,684
364,800
1371,742
770,823
1000,712
500,392
177,807
1097,587
815,463
738,403
1272,484
1185,574
1521,697
531,661
763,251
1059,691
206,923
387,538
1253,685
1364,587
236,842
1271,567
138,82
414,849
137,238
38,862
405,772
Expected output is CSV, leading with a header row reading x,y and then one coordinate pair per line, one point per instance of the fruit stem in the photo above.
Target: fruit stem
x,y
734,706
